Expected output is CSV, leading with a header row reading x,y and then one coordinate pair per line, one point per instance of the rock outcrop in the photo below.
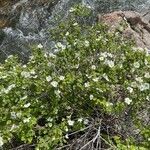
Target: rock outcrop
x,y
24,23
10,10
132,25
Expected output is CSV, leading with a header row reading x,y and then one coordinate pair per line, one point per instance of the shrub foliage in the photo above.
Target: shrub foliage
x,y
94,83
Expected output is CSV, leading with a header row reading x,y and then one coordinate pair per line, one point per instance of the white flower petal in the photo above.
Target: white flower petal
x,y
93,67
128,101
61,78
95,79
1,141
80,119
26,120
70,122
40,46
87,84
48,78
130,89
91,97
86,43
27,105
54,84
136,65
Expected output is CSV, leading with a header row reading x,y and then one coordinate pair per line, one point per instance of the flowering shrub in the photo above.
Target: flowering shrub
x,y
93,81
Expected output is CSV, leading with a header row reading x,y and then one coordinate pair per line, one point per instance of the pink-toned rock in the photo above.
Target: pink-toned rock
x,y
131,24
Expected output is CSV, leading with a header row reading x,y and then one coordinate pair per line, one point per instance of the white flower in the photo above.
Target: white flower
x,y
87,84
95,79
10,88
13,127
61,78
26,120
110,63
148,98
13,115
70,122
68,107
72,9
144,86
31,57
130,89
89,77
66,136
75,24
104,54
25,74
10,56
88,6
49,64
4,77
18,114
1,141
50,119
80,119
146,62
4,91
42,106
147,75
54,83
24,66
120,66
45,55
139,79
75,43
53,138
136,65
93,67
77,66
134,84
132,70
60,45
98,39
108,104
105,77
57,92
52,55
67,33
99,90
86,43
40,46
23,98
110,55
32,72
101,58
27,105
35,76
86,121
48,78
91,97
128,101
66,129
